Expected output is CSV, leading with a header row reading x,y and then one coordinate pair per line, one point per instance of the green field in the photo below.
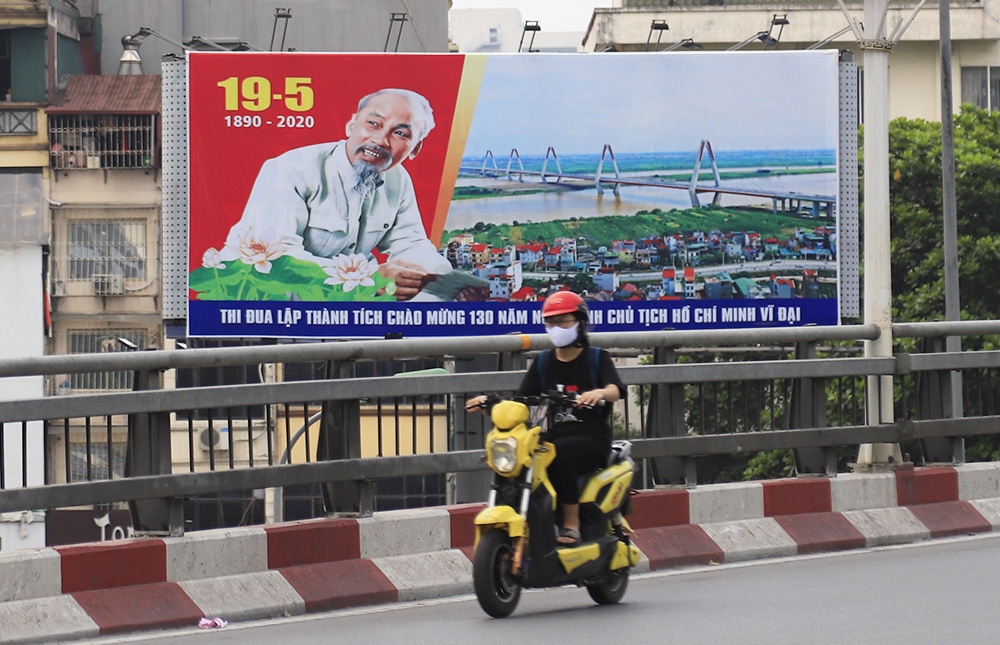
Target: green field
x,y
601,231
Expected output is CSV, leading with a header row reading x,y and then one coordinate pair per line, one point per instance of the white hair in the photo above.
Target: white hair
x,y
422,112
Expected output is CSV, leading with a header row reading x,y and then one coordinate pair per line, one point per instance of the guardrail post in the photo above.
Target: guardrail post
x,y
148,453
666,419
340,438
808,410
469,430
934,402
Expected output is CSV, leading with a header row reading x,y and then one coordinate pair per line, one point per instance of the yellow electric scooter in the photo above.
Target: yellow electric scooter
x,y
516,544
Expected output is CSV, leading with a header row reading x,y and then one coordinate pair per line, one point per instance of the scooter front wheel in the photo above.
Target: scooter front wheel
x,y
612,589
497,590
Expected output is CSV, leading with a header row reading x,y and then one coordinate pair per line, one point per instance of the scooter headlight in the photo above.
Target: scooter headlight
x,y
503,454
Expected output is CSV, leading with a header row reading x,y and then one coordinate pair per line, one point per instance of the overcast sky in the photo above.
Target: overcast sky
x,y
552,15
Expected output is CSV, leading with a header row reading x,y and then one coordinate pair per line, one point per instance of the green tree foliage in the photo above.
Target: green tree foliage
x,y
917,234
918,294
916,215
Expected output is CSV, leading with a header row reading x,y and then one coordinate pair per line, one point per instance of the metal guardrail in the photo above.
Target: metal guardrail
x,y
664,440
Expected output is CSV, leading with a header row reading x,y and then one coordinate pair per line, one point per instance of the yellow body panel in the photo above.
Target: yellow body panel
x,y
503,517
574,557
507,414
619,477
626,556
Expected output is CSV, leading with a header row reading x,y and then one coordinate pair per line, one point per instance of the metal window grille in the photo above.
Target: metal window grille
x,y
102,140
19,121
103,341
98,460
107,247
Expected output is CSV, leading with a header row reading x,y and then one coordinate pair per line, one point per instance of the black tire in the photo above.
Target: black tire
x,y
612,590
497,590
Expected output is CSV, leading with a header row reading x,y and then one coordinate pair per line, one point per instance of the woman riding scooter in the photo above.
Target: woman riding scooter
x,y
582,435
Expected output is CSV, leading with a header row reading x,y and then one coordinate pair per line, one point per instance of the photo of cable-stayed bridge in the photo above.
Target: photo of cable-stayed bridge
x,y
631,189
788,180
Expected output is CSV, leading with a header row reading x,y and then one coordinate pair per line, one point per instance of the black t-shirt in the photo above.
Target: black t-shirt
x,y
576,374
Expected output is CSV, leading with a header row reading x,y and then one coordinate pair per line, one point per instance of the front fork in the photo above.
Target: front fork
x,y
516,525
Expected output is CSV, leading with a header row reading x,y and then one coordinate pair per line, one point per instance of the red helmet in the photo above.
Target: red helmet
x,y
565,302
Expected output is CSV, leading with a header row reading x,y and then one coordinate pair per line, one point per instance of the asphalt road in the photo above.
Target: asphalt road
x,y
945,591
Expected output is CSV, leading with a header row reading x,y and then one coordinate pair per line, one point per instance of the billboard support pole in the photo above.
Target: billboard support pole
x,y
952,299
877,251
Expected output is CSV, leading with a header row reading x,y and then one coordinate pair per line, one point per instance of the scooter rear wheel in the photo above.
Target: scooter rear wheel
x,y
612,590
496,588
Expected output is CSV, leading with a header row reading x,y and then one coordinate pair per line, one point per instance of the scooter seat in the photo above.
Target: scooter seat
x,y
621,450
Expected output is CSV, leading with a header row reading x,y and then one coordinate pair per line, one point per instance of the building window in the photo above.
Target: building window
x,y
102,140
981,87
18,121
5,70
106,247
23,211
98,458
103,341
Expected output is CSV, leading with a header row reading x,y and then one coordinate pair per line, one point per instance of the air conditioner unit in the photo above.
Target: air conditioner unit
x,y
212,439
108,285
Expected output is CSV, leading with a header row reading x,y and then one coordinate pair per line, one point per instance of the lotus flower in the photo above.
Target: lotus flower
x,y
352,271
258,248
212,259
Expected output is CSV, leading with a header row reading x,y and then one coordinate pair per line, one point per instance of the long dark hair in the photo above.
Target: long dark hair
x,y
582,339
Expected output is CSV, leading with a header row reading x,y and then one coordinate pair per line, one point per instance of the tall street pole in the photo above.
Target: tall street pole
x,y
952,299
877,276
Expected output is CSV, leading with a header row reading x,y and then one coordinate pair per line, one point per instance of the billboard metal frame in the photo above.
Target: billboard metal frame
x,y
175,193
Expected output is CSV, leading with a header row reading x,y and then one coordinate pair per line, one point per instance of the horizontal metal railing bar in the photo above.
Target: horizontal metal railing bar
x,y
812,437
461,346
189,484
946,328
466,383
196,398
360,388
719,444
757,370
408,348
954,361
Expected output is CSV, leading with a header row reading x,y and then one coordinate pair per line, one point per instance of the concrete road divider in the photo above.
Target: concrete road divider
x,y
82,591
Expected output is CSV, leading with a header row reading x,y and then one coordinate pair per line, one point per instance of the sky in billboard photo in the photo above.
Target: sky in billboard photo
x,y
639,103
552,15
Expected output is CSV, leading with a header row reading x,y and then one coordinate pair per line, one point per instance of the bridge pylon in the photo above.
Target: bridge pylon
x,y
693,188
555,157
483,170
607,151
514,154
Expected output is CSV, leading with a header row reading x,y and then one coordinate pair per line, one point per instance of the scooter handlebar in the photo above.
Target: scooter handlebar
x,y
554,397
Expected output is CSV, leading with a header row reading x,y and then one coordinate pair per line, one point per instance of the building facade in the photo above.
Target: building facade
x,y
754,25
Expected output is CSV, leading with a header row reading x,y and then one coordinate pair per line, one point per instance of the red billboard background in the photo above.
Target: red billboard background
x,y
225,159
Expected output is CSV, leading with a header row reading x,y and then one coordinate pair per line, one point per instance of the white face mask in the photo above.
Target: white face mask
x,y
563,336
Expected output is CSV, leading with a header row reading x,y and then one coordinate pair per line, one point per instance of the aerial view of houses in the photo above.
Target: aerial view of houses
x,y
694,264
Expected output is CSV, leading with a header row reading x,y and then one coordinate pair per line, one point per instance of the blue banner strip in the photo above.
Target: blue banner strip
x,y
412,320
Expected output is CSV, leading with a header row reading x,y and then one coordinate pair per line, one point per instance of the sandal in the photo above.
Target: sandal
x,y
568,537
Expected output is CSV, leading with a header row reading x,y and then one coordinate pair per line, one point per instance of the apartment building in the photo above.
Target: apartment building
x,y
759,25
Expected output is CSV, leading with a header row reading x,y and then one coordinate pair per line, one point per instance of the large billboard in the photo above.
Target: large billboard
x,y
361,195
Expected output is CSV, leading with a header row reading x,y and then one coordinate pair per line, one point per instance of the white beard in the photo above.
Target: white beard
x,y
367,177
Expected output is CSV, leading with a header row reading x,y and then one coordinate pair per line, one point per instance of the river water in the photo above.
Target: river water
x,y
585,203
